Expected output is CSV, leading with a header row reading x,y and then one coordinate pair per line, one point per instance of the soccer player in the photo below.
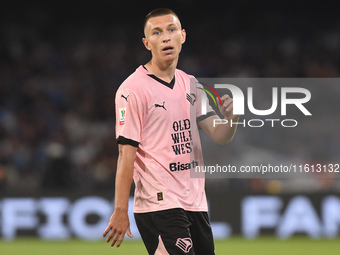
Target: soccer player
x,y
159,145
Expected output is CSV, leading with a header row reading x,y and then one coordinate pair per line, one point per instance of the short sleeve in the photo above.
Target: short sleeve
x,y
129,117
203,107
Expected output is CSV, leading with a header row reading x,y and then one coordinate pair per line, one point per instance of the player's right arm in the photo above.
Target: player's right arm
x,y
119,223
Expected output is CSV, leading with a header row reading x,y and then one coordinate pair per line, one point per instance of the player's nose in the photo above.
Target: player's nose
x,y
166,37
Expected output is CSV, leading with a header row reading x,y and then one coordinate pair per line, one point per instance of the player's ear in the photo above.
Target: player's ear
x,y
184,35
146,43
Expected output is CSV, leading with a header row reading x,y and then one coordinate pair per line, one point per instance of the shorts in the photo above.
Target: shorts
x,y
176,232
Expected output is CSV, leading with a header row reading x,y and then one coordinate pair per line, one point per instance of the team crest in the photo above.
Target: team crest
x,y
185,244
122,114
191,98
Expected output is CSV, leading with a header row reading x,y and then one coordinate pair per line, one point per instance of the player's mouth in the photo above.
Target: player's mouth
x,y
168,49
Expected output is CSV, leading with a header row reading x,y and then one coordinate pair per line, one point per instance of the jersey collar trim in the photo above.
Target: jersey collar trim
x,y
169,85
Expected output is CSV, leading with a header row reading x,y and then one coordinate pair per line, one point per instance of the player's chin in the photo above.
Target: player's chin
x,y
170,57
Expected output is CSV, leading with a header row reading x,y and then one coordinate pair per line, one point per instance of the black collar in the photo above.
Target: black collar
x,y
169,85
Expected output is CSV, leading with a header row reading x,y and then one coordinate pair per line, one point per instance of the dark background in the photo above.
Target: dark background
x,y
62,61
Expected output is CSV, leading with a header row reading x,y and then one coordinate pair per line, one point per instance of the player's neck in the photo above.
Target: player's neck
x,y
164,71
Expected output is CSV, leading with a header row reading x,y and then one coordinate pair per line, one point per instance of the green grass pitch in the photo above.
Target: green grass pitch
x,y
234,246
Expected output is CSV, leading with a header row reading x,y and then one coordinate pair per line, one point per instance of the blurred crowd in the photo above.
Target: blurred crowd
x,y
57,120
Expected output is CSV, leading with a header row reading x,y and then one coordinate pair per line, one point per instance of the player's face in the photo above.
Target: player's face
x,y
164,37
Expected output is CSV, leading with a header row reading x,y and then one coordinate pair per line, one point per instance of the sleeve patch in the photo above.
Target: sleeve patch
x,y
122,115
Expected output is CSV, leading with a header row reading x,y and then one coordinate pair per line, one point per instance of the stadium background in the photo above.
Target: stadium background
x,y
61,63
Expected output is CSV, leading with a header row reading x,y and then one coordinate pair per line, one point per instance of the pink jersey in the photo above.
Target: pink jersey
x,y
161,120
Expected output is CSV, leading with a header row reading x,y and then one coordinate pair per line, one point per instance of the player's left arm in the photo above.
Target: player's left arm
x,y
221,134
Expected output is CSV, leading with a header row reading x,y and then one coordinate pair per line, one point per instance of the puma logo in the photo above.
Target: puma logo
x,y
125,97
162,106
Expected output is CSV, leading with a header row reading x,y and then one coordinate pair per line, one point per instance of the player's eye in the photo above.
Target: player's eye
x,y
156,33
172,30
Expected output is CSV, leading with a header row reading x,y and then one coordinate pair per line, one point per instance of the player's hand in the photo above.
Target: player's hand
x,y
118,226
227,108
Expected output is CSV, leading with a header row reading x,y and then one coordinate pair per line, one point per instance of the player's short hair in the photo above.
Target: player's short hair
x,y
159,12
